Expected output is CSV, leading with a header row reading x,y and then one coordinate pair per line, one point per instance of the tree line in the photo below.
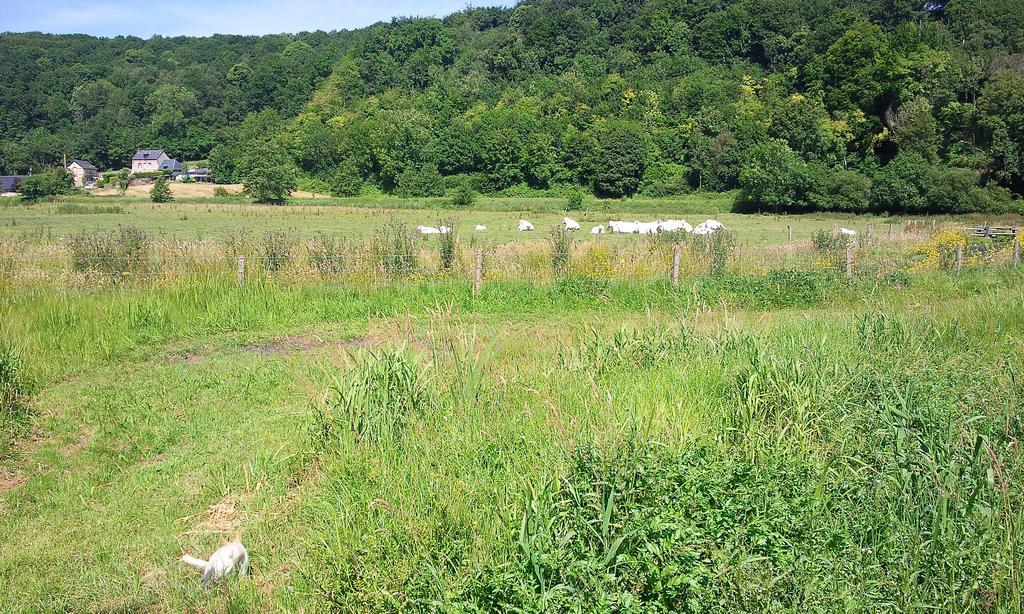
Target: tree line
x,y
853,105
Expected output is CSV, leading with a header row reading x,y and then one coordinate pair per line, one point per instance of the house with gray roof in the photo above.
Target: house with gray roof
x,y
84,172
9,184
148,160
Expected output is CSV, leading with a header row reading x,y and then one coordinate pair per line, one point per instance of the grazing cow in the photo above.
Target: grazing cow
x,y
619,227
648,228
480,228
428,230
570,224
525,226
597,230
846,232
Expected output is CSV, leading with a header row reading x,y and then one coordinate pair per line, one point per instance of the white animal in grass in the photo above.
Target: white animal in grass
x,y
525,226
620,227
597,230
444,230
846,232
708,227
676,226
230,558
570,224
480,228
428,230
648,228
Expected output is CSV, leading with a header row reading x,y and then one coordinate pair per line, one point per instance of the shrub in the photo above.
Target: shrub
x,y
277,249
716,249
160,192
326,254
574,202
346,180
775,179
421,181
463,197
446,245
46,184
394,249
117,252
374,401
221,192
839,190
561,250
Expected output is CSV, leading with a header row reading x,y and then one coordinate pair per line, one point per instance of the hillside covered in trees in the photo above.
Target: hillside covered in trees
x,y
853,105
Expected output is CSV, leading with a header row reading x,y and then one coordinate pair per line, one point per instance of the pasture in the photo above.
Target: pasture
x,y
761,437
358,218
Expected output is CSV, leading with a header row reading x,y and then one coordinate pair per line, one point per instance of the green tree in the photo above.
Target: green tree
x,y
160,192
620,159
268,173
774,178
46,184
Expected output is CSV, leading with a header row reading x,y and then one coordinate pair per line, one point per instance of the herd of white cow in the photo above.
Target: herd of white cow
x,y
615,226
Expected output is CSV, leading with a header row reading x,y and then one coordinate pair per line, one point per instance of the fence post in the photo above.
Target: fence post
x,y
959,258
241,270
890,230
867,232
849,260
1016,251
478,275
675,266
789,232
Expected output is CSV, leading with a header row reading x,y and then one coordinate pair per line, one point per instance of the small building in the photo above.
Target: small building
x,y
9,184
148,160
198,175
84,172
172,166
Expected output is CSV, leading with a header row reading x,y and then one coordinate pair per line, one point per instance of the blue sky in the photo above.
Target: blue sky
x,y
195,18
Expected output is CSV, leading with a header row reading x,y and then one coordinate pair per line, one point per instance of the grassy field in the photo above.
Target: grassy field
x,y
359,218
731,445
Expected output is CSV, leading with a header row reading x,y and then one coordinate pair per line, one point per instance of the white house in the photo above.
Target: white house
x,y
148,160
84,172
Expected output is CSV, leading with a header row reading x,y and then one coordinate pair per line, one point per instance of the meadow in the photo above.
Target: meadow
x,y
761,437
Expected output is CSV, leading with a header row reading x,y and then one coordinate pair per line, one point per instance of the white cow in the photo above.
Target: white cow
x,y
525,226
708,227
619,227
846,232
428,230
570,224
597,230
480,228
676,226
648,228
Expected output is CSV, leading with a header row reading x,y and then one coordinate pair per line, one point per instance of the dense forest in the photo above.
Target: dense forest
x,y
854,105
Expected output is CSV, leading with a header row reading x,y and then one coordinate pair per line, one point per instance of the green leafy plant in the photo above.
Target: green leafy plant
x,y
394,249
160,192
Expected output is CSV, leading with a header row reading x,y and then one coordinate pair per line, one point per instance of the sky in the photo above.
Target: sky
x,y
196,18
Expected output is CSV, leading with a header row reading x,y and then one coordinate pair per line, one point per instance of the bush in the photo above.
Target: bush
x,y
775,179
117,252
221,192
394,249
446,245
574,202
346,180
463,198
839,190
374,401
160,192
277,249
561,250
326,254
422,181
46,184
